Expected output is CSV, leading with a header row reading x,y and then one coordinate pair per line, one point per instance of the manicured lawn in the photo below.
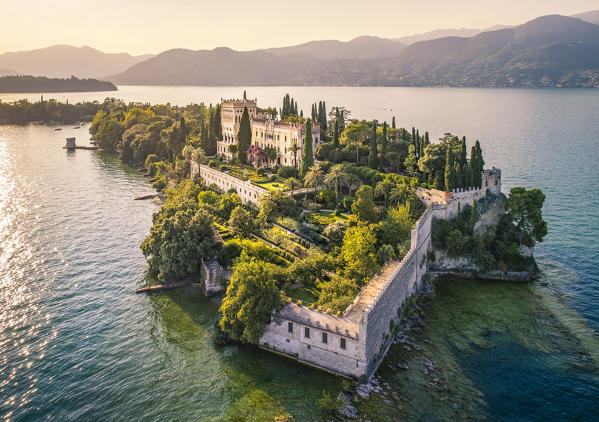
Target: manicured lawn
x,y
304,294
272,186
324,218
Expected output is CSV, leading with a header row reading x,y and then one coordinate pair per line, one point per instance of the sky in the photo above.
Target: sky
x,y
152,26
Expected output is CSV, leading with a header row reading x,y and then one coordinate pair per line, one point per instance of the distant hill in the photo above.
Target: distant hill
x,y
21,84
364,47
442,33
547,51
62,61
592,16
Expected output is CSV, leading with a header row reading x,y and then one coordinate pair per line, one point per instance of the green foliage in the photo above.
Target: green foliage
x,y
358,253
335,232
241,222
277,204
373,161
22,111
286,171
363,207
106,131
251,297
524,208
180,236
397,226
313,267
244,136
338,293
228,253
385,254
228,203
307,151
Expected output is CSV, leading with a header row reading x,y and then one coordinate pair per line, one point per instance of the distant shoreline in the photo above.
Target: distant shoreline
x,y
23,84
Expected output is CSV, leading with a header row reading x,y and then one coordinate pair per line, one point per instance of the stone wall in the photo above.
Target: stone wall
x,y
245,189
366,324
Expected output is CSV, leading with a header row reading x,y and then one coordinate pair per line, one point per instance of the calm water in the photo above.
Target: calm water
x,y
76,343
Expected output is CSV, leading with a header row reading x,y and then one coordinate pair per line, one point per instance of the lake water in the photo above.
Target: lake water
x,y
76,342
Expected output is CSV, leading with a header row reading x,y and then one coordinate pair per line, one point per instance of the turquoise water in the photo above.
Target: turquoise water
x,y
76,343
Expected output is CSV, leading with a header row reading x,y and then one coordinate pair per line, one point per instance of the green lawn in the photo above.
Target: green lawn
x,y
272,186
304,294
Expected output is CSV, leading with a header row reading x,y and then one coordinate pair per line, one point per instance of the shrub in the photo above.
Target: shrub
x,y
261,172
223,167
160,183
273,178
347,201
286,172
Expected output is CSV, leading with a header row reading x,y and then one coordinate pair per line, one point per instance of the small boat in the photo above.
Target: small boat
x,y
58,129
75,127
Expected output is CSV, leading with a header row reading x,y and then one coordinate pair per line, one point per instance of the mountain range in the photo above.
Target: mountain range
x,y
548,51
63,61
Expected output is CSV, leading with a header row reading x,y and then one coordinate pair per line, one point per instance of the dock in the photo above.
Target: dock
x,y
71,145
92,147
166,286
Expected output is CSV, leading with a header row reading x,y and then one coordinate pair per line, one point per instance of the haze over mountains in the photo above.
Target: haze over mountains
x,y
547,51
63,61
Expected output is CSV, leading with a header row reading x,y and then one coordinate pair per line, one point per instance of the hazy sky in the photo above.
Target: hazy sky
x,y
151,26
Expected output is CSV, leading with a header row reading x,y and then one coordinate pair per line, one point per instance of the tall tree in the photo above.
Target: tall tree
x,y
393,122
336,177
314,178
307,151
244,136
382,161
524,208
373,157
336,134
463,152
449,169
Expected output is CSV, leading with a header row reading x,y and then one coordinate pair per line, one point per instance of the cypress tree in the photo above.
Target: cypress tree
x,y
383,146
244,136
463,151
393,122
457,171
449,185
418,144
473,216
414,139
205,143
336,134
307,153
323,120
372,158
466,175
218,133
314,111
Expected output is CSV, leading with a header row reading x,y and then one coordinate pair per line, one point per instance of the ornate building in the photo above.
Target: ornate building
x,y
267,134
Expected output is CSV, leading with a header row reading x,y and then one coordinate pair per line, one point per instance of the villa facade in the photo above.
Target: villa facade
x,y
266,133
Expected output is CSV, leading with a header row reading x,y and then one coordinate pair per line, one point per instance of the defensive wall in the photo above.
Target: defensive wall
x,y
353,344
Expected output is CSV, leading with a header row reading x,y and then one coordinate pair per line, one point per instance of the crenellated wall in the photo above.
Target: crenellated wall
x,y
366,323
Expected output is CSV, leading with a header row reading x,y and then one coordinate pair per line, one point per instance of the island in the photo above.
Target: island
x,y
318,231
41,84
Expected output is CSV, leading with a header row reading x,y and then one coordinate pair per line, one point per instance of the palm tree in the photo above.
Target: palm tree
x,y
292,184
197,156
337,177
383,188
399,194
353,182
295,149
313,178
187,152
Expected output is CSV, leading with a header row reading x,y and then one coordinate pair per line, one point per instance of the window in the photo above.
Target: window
x,y
324,338
290,327
306,332
343,343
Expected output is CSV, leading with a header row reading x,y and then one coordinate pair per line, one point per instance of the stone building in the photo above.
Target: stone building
x,y
266,132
